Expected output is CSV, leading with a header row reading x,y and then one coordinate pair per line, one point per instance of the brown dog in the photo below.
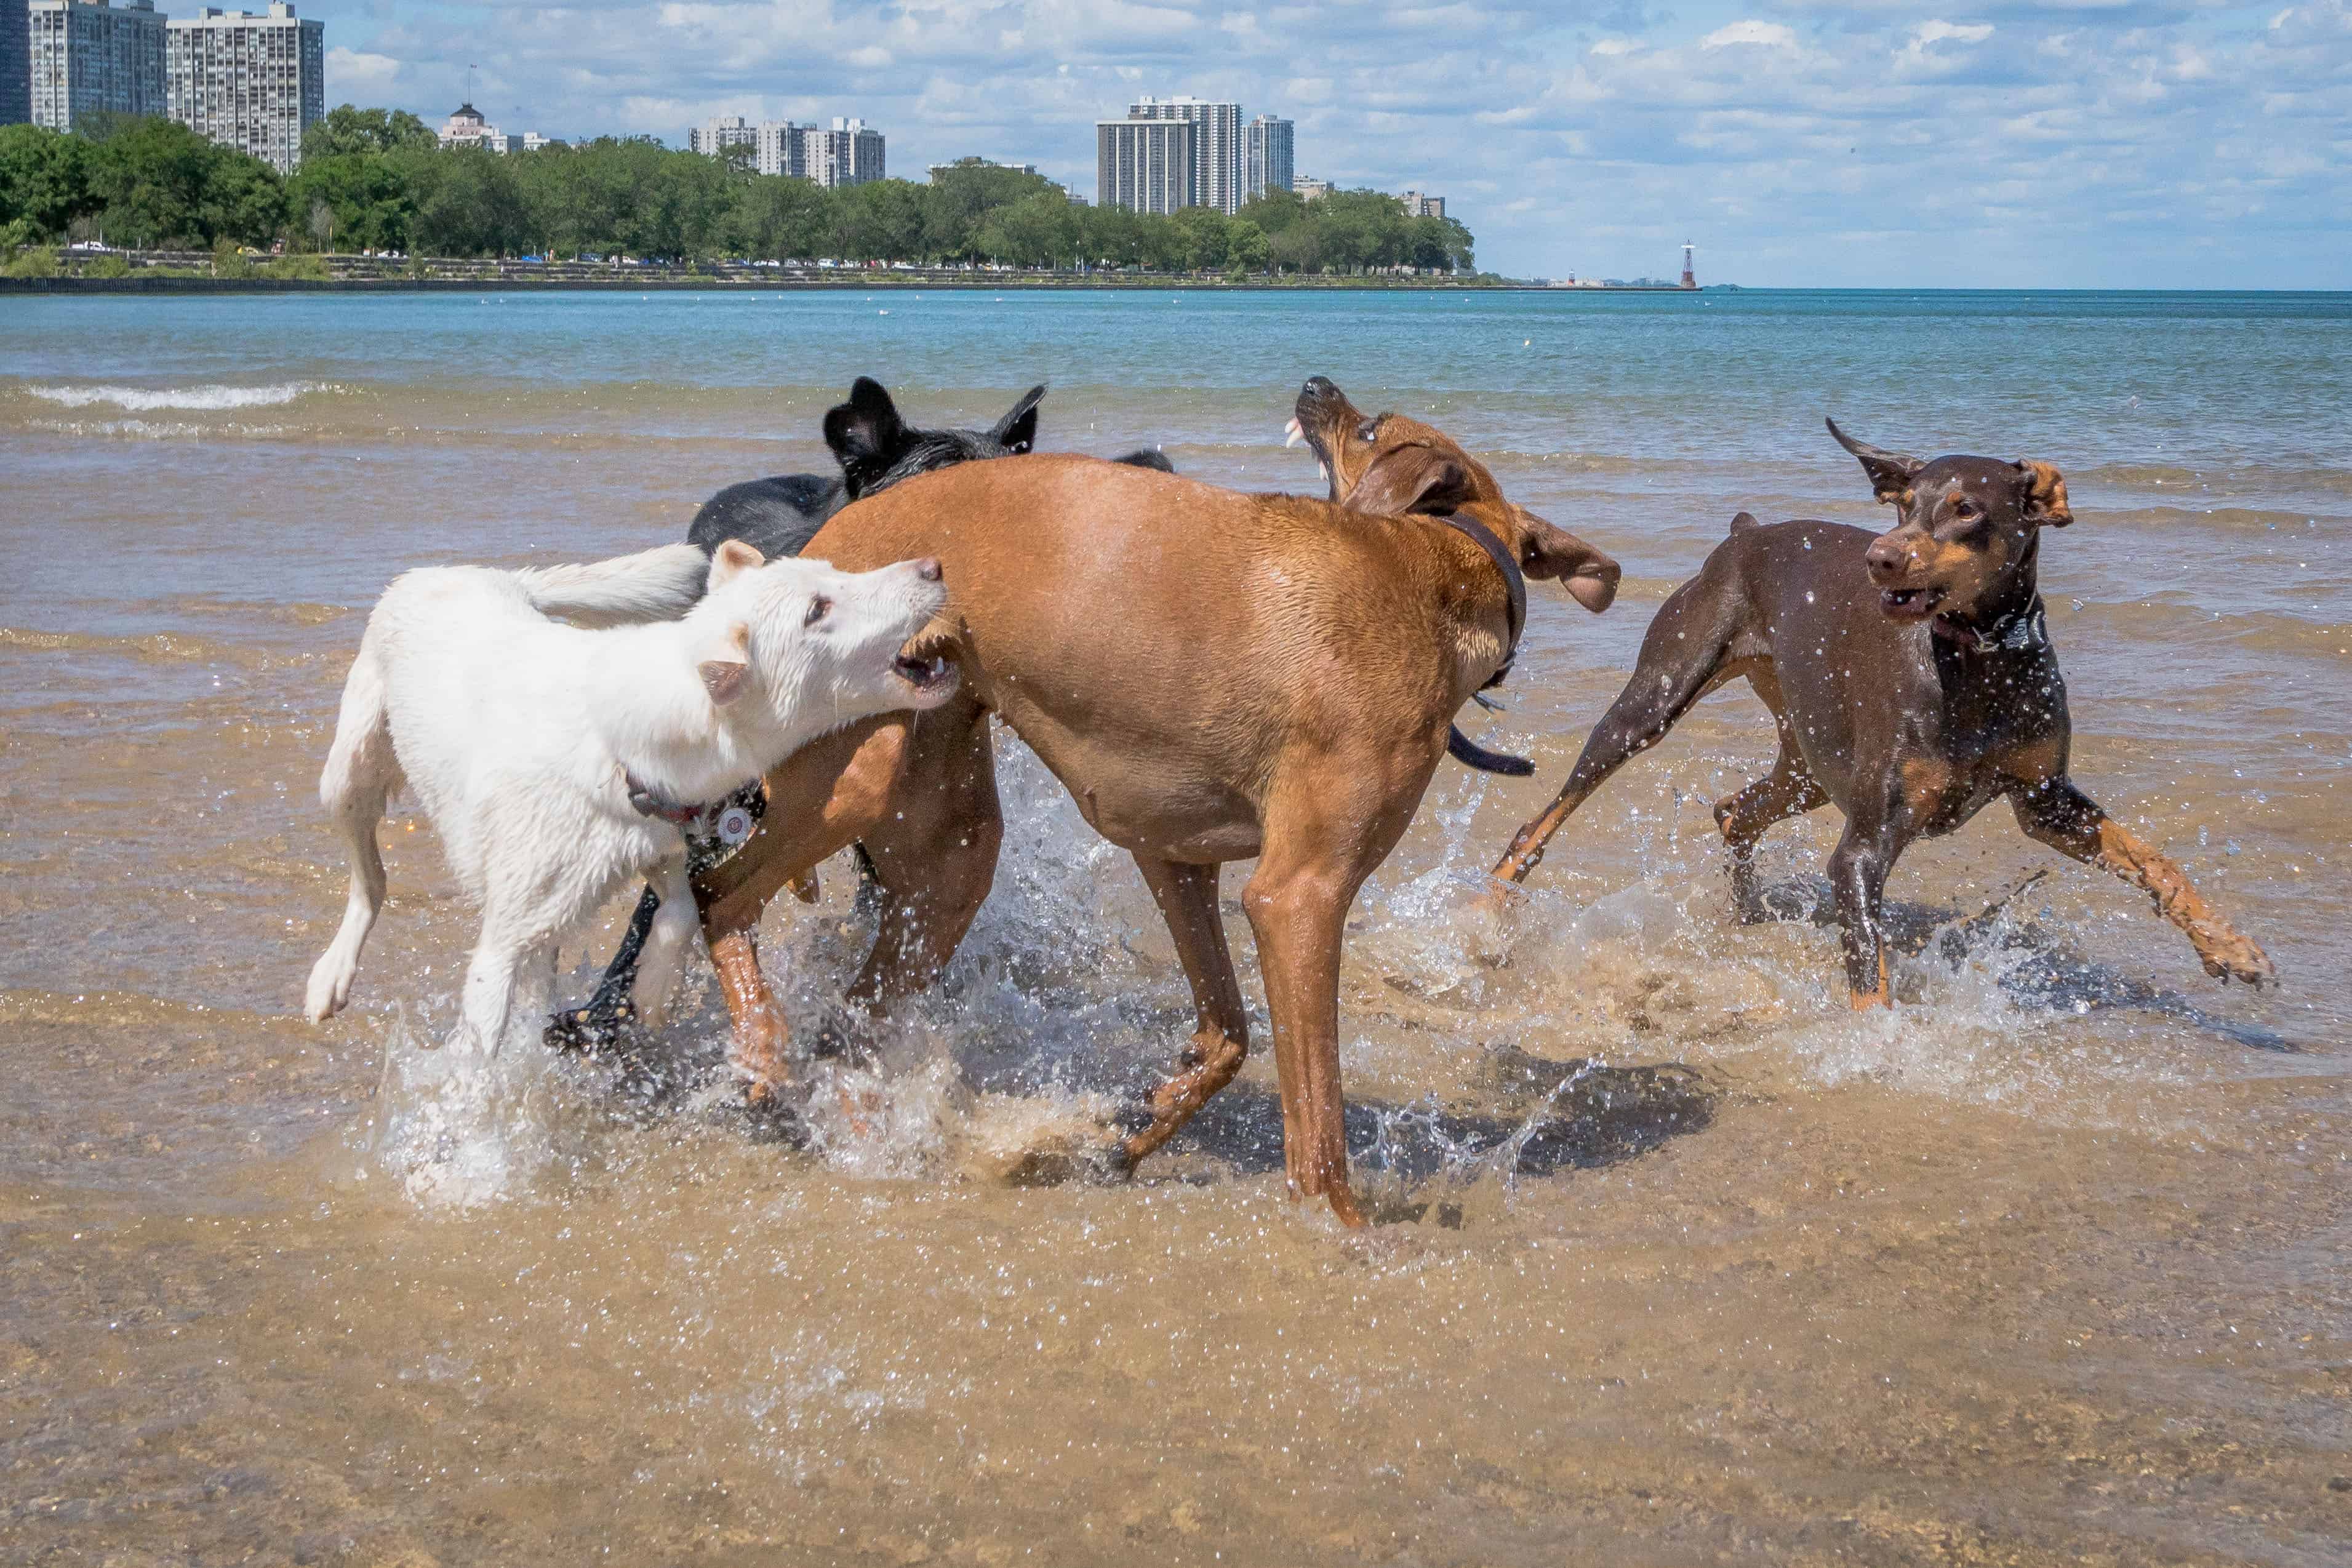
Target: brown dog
x,y
1213,676
1913,682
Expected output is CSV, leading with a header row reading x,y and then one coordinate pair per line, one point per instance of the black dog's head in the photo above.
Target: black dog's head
x,y
876,449
1963,528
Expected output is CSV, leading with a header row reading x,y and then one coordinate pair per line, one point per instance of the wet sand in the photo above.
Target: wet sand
x,y
1679,1262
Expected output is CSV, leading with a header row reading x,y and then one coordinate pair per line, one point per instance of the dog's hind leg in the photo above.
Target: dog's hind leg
x,y
934,852
1689,651
360,775
1788,790
663,956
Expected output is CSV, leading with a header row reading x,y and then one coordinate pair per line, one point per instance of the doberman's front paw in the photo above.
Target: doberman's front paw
x,y
2229,956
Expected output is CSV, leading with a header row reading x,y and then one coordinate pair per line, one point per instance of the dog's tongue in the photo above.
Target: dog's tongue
x,y
1292,434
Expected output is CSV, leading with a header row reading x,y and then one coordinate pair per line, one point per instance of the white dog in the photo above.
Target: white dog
x,y
557,762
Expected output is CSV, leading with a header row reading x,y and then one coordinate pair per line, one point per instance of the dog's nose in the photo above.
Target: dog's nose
x,y
929,569
1886,558
1318,386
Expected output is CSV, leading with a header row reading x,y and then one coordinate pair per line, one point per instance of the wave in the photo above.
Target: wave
x,y
213,395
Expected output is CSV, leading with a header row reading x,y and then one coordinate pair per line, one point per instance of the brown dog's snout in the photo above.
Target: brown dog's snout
x,y
1888,558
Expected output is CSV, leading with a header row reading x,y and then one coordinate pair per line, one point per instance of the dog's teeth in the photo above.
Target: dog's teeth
x,y
1324,471
1292,435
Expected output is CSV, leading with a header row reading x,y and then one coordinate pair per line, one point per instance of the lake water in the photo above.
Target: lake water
x,y
1682,1262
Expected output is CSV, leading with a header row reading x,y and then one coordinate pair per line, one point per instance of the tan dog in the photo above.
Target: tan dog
x,y
1213,676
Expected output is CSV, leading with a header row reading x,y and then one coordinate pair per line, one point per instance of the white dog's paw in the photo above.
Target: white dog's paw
x,y
331,987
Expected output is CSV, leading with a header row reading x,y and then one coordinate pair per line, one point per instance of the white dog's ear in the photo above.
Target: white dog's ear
x,y
729,561
726,665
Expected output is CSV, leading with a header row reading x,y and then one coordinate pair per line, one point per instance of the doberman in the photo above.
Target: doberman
x,y
1913,682
1214,677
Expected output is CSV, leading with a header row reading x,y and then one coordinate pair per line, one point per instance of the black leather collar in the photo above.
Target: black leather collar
x,y
1458,745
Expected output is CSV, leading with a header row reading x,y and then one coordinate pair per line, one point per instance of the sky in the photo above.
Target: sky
x,y
2079,144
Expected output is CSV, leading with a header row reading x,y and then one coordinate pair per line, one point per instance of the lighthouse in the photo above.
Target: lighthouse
x,y
1690,279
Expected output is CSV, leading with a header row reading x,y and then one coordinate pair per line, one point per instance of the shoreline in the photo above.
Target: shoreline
x,y
696,282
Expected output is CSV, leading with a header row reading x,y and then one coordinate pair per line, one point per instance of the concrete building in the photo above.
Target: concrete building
x,y
850,153
16,63
1418,205
1265,156
468,128
1216,146
778,148
1146,166
254,82
1309,188
87,58
718,132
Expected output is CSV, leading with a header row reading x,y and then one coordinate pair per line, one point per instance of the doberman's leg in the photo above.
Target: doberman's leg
x,y
2057,814
1684,657
1858,868
1329,821
1187,897
1745,817
933,851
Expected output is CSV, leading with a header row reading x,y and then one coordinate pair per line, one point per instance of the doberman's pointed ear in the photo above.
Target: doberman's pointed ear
x,y
1547,551
1017,431
1891,473
2043,492
865,434
1410,480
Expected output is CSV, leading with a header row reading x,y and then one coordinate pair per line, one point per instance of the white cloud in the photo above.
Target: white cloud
x,y
1771,34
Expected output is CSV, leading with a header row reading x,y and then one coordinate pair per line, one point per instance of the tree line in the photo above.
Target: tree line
x,y
374,179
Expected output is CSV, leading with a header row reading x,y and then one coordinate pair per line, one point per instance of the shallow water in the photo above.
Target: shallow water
x,y
1681,1262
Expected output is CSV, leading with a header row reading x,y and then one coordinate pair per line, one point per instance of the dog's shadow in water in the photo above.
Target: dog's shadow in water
x,y
2049,973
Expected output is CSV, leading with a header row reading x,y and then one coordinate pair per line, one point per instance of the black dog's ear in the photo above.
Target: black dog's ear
x,y
2044,490
1410,480
865,434
1891,473
1017,431
1150,458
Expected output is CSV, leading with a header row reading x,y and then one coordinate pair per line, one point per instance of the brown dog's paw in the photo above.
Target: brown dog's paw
x,y
1059,1161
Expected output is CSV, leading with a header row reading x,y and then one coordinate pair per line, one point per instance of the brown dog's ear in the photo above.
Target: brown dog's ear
x,y
1891,473
1409,480
2045,494
1547,552
730,560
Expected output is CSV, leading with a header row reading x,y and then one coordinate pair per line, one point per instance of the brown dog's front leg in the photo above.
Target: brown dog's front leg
x,y
1300,919
2057,814
760,1034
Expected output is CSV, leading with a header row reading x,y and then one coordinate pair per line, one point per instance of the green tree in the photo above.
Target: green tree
x,y
159,184
780,218
347,131
44,182
474,209
881,220
962,196
372,198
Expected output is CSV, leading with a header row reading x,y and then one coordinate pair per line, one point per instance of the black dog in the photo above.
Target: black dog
x,y
875,449
778,516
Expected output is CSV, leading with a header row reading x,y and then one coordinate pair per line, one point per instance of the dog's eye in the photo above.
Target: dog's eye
x,y
1968,511
816,610
1369,431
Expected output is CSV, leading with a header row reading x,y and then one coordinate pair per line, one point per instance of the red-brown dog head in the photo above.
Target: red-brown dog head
x,y
1963,527
1389,466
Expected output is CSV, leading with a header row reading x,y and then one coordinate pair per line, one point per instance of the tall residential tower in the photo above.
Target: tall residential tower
x,y
1216,146
1145,166
1265,156
88,57
254,82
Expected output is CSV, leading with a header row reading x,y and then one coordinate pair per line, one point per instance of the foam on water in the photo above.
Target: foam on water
x,y
209,396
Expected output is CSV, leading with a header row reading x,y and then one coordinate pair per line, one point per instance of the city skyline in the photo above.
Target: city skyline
x,y
2124,143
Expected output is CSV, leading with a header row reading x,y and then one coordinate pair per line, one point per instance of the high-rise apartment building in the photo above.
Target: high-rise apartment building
x,y
1419,204
252,81
851,153
1146,166
1265,156
1309,188
1216,146
86,57
721,131
780,148
16,63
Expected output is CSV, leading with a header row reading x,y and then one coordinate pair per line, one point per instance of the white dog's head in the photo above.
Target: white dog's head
x,y
816,647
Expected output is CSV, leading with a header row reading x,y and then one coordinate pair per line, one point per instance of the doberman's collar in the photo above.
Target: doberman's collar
x,y
2013,633
1461,747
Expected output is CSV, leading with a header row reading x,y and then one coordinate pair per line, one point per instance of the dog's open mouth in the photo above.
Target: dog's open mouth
x,y
924,673
1911,604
